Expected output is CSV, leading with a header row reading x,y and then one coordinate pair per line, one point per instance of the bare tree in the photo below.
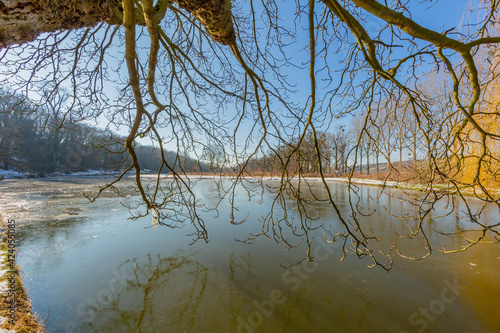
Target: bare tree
x,y
340,143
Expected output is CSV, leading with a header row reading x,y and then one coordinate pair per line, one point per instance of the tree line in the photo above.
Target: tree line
x,y
41,141
380,146
390,141
334,148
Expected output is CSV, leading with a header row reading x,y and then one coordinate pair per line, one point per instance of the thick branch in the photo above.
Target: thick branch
x,y
22,21
413,29
215,15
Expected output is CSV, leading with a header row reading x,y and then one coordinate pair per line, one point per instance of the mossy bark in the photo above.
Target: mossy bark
x,y
22,21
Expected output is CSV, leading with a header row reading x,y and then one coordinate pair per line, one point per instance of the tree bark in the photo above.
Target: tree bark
x,y
368,161
22,21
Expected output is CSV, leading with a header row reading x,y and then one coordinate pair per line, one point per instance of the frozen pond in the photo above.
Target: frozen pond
x,y
88,268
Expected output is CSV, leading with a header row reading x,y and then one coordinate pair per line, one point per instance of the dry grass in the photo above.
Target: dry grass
x,y
25,320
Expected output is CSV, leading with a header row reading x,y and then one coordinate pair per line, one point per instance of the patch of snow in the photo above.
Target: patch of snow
x,y
3,330
11,174
91,173
87,173
3,287
328,179
8,174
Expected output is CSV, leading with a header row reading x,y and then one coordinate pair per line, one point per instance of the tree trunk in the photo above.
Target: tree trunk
x,y
415,151
368,161
361,161
400,155
22,21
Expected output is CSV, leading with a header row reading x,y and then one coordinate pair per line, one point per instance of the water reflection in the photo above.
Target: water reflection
x,y
99,272
179,294
158,293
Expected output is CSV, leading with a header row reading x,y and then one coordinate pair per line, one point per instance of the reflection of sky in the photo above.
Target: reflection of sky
x,y
69,261
440,16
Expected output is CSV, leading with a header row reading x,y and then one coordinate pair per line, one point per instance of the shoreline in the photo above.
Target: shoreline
x,y
16,313
419,187
8,174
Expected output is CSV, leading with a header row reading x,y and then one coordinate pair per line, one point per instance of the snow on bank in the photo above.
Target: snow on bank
x,y
354,181
357,181
365,181
6,174
90,173
11,174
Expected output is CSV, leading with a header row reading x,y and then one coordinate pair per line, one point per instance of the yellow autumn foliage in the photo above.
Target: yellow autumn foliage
x,y
480,155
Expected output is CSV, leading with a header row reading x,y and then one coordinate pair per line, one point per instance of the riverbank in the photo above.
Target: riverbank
x,y
404,185
12,174
16,314
359,179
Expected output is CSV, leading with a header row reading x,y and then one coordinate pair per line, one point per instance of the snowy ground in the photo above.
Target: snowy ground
x,y
355,181
328,179
10,174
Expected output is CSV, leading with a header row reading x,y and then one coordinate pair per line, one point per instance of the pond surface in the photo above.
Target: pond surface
x,y
88,268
